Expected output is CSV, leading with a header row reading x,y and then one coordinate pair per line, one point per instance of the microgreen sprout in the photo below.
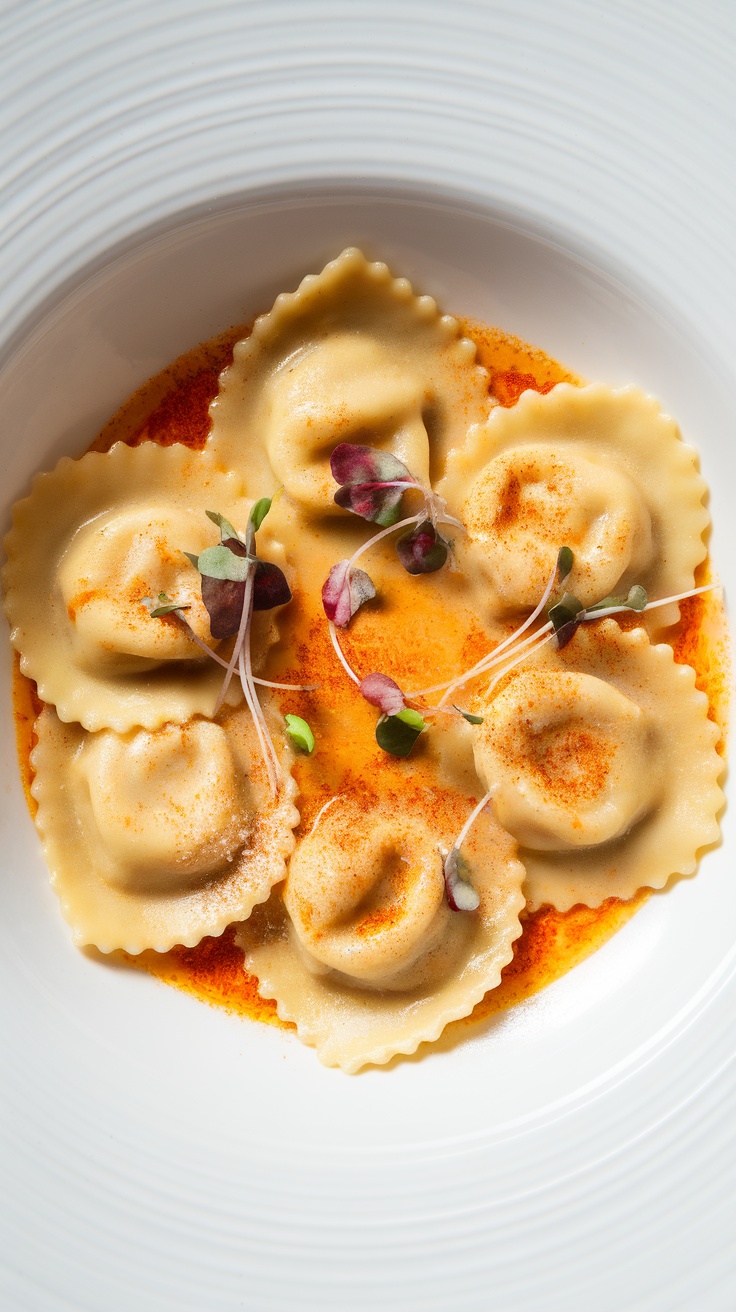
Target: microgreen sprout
x,y
371,485
300,733
164,606
383,692
234,583
467,715
564,617
422,550
344,592
397,734
460,894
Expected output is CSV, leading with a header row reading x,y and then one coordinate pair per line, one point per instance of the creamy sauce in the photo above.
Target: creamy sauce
x,y
173,407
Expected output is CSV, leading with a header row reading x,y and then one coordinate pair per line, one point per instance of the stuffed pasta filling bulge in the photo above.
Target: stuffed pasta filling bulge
x,y
467,732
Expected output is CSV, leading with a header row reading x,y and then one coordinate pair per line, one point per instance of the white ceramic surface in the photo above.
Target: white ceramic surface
x,y
166,169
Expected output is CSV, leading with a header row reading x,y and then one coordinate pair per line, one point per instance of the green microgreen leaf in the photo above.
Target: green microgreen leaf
x,y
194,560
471,719
222,563
565,561
606,602
397,734
259,512
224,525
637,598
413,718
300,733
165,606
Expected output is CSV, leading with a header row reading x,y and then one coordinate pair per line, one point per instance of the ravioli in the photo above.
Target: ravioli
x,y
158,837
95,537
603,472
364,954
352,356
605,767
584,773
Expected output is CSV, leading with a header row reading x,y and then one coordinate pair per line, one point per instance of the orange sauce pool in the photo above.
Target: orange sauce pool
x,y
173,407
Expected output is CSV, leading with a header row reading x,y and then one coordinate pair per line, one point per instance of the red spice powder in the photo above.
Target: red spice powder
x,y
183,415
173,407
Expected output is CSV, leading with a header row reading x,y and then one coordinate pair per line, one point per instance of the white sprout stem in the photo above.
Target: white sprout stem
x,y
261,728
480,665
340,653
496,658
518,660
269,741
487,662
393,528
330,802
450,519
287,687
651,605
245,615
472,818
264,683
402,523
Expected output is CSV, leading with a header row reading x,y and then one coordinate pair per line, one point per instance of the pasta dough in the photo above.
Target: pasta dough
x,y
162,824
95,537
606,767
159,837
603,472
351,356
568,750
371,961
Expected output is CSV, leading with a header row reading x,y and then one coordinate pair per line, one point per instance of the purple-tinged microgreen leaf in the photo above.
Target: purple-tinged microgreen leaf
x,y
300,733
383,692
460,894
224,563
422,550
352,463
344,592
565,562
471,719
224,525
379,503
397,734
259,512
567,631
223,600
566,609
269,586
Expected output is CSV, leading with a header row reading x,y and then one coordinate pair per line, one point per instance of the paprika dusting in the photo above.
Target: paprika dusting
x,y
172,408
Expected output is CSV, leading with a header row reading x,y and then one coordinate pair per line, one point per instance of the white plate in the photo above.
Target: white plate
x,y
574,1153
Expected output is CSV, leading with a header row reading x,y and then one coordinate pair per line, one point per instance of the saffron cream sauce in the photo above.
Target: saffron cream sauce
x,y
422,631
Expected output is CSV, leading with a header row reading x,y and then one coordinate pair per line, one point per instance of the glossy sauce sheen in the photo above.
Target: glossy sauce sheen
x,y
173,407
